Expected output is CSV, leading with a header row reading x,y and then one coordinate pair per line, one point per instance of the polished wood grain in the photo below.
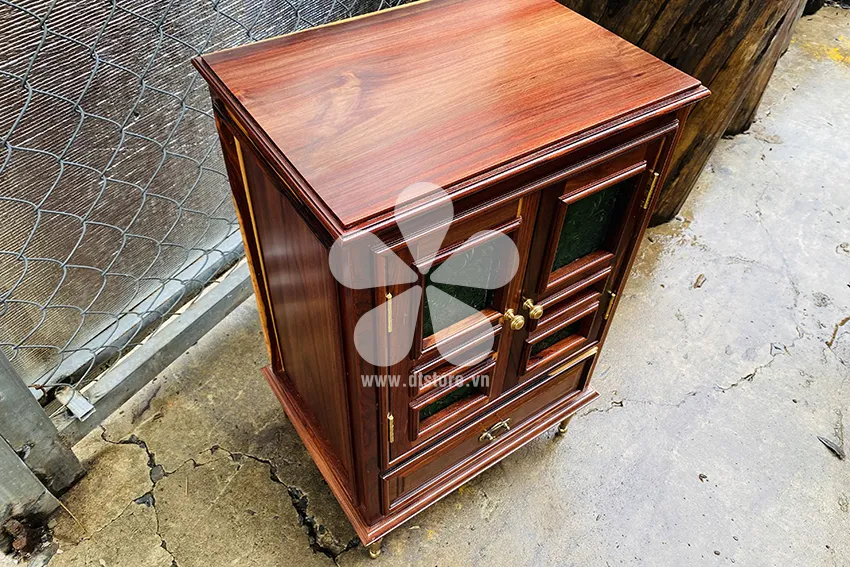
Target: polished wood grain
x,y
506,219
437,92
319,131
305,307
428,471
253,255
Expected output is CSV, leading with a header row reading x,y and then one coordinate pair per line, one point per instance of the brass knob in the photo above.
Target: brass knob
x,y
535,312
517,321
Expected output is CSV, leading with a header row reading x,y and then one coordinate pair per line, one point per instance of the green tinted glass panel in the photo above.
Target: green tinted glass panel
x,y
462,393
587,224
553,339
481,258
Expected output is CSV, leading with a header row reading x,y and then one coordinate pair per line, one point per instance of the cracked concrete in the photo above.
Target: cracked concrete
x,y
702,448
217,475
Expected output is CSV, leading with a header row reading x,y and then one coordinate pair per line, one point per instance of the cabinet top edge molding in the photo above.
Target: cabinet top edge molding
x,y
437,91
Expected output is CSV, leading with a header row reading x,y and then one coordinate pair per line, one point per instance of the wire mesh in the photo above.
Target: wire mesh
x,y
114,203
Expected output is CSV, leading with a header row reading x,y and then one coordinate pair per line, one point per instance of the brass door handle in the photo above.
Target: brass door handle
x,y
517,321
489,435
535,312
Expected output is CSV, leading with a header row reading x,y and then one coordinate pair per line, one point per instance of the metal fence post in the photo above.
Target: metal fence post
x,y
32,436
21,493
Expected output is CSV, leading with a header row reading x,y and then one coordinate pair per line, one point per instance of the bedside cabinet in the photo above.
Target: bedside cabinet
x,y
481,124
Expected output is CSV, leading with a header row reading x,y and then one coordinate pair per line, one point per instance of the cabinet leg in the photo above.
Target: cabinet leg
x,y
562,427
374,548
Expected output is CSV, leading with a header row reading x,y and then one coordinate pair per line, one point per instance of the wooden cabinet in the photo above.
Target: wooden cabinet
x,y
536,128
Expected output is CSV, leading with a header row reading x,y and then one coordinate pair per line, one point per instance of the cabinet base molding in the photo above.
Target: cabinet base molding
x,y
370,534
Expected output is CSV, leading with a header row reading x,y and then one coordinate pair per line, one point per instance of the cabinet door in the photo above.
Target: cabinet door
x,y
586,232
459,352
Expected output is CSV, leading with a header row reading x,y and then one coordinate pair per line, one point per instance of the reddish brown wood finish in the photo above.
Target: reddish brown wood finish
x,y
520,108
363,110
305,308
510,219
429,468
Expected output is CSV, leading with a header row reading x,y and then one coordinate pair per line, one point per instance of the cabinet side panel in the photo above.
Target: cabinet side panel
x,y
235,173
305,305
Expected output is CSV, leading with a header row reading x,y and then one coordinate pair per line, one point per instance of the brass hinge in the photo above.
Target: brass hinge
x,y
612,297
389,313
391,427
651,192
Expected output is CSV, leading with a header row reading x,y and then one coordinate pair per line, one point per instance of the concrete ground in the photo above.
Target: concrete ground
x,y
702,449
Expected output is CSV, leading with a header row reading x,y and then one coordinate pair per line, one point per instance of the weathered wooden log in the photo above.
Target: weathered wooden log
x,y
721,42
746,114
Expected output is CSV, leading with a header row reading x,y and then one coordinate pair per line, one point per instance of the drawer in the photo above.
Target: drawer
x,y
454,456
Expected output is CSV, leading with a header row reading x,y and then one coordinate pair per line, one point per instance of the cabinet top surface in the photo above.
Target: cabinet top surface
x,y
438,91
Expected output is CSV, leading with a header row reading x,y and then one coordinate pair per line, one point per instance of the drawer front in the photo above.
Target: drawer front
x,y
488,434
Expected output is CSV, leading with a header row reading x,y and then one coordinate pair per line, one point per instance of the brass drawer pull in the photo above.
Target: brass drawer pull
x,y
489,435
535,312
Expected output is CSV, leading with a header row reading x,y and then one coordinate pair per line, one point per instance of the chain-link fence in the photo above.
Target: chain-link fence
x,y
114,203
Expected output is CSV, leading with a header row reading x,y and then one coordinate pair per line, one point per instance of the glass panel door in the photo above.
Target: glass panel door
x,y
587,228
588,223
461,344
450,307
